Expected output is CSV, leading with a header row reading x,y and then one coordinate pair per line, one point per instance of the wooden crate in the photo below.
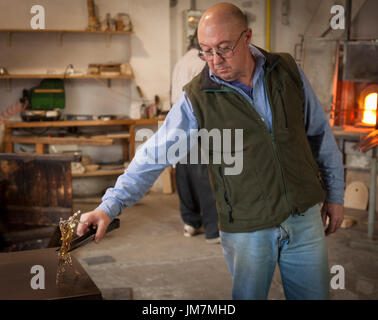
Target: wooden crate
x,y
36,191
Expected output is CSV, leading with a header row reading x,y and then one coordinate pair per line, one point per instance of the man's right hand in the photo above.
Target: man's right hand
x,y
98,219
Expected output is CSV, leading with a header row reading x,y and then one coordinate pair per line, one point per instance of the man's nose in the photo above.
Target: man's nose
x,y
217,59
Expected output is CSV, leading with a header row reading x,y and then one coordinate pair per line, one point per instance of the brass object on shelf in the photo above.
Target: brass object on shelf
x,y
93,23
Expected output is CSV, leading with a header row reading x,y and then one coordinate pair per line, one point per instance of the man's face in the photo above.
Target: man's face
x,y
214,37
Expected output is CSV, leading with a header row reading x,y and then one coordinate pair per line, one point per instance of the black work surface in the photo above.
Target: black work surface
x,y
16,276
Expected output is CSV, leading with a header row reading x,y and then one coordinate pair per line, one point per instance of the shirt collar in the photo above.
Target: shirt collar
x,y
259,58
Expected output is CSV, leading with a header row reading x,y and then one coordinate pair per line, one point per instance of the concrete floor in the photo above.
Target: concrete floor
x,y
148,258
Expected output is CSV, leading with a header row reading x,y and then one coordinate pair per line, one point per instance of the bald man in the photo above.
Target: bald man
x,y
269,212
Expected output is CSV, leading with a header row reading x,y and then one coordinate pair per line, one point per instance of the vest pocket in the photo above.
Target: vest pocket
x,y
238,194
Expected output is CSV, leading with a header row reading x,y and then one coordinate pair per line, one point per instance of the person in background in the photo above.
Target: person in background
x,y
197,204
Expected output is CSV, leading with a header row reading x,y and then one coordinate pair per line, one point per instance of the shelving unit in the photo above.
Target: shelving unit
x,y
127,138
60,34
127,127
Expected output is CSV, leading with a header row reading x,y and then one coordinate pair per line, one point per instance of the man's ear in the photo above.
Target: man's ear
x,y
248,39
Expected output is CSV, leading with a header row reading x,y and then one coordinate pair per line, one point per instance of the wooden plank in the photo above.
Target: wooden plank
x,y
113,136
125,145
351,132
73,123
8,146
39,147
26,157
60,140
132,142
140,122
98,173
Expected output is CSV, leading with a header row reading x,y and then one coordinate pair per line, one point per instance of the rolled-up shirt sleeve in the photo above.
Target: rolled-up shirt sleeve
x,y
167,146
323,144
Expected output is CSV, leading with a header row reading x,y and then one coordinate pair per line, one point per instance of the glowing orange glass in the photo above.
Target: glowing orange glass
x,y
370,108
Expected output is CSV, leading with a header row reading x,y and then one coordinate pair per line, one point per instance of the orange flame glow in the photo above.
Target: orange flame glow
x,y
370,108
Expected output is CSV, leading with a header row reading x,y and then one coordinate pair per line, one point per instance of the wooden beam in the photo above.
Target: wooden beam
x,y
73,123
61,140
39,148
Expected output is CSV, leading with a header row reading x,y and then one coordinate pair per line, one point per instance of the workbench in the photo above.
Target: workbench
x,y
16,276
127,126
126,136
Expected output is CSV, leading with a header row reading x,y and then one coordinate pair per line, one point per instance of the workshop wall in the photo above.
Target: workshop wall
x,y
255,10
41,52
311,19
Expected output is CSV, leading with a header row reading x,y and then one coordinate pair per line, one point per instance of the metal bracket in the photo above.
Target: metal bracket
x,y
9,42
108,40
59,38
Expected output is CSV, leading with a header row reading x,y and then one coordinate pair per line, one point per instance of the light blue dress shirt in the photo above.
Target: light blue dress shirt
x,y
139,176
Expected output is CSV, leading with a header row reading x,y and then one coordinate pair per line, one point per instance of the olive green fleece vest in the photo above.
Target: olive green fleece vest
x,y
280,176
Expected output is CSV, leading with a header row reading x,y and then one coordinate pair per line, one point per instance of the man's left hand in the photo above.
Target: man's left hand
x,y
336,216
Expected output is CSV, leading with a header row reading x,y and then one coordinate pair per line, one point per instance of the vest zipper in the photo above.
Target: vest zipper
x,y
273,139
230,218
273,143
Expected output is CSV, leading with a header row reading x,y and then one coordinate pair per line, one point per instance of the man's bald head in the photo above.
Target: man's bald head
x,y
224,13
223,28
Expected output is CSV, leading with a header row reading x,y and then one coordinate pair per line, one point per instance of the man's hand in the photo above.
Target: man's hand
x,y
97,218
336,216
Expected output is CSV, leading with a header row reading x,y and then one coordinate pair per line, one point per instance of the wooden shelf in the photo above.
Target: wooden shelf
x,y
62,76
71,123
61,140
98,173
126,135
148,121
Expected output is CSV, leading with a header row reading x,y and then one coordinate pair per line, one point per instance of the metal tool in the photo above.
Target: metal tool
x,y
89,236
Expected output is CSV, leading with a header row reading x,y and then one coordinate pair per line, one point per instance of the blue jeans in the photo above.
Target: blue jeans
x,y
297,245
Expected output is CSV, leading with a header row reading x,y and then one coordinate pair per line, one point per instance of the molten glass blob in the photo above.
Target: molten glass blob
x,y
67,229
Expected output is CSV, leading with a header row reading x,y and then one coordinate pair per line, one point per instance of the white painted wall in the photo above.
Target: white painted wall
x,y
147,50
36,53
311,19
254,8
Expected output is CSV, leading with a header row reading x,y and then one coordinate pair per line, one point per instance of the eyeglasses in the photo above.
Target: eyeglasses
x,y
224,53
